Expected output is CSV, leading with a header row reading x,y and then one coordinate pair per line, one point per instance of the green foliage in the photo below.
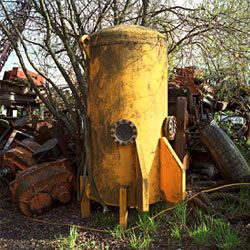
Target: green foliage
x,y
180,221
238,206
146,224
200,234
181,213
118,232
244,148
211,230
224,236
141,235
70,241
176,231
139,241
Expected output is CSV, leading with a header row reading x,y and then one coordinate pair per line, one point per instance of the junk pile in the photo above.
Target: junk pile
x,y
35,162
200,142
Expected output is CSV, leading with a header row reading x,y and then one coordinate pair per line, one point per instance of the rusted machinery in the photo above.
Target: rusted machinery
x,y
36,168
205,146
131,161
38,174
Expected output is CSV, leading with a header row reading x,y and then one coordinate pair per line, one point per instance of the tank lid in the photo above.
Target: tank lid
x,y
126,33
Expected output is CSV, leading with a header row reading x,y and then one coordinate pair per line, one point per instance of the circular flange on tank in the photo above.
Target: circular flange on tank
x,y
123,132
169,128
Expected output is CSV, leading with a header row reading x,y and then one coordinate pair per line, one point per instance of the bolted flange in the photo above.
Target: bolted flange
x,y
169,128
123,132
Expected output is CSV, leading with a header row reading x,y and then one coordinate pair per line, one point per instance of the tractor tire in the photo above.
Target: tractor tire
x,y
227,157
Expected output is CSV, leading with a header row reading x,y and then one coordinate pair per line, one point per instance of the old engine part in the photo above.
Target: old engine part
x,y
35,188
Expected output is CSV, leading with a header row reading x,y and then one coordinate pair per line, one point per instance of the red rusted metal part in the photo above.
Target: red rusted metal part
x,y
18,158
18,73
185,77
36,188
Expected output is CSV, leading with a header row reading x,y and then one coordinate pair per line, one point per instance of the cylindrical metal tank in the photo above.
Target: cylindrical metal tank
x,y
127,105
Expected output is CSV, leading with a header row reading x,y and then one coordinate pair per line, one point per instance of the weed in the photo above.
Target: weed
x,y
238,206
140,241
224,235
118,232
180,213
146,224
176,231
231,206
200,234
244,200
70,241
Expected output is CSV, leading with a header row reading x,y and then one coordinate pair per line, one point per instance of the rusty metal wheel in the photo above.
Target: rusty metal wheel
x,y
36,188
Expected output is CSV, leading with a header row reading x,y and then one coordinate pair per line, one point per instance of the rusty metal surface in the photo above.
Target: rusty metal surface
x,y
19,158
36,188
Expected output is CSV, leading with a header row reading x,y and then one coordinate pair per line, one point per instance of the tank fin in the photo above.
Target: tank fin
x,y
142,176
173,174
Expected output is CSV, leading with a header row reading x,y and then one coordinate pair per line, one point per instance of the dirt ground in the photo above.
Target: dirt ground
x,y
18,232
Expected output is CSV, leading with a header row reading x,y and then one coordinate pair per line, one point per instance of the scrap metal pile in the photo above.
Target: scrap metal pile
x,y
35,162
199,142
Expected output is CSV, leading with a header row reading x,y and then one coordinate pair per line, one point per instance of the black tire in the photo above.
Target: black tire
x,y
226,155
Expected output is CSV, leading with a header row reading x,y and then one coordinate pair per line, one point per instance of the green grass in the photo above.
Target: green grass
x,y
213,231
141,236
224,236
238,206
139,241
118,232
176,231
178,225
146,224
69,242
99,218
158,207
180,213
200,234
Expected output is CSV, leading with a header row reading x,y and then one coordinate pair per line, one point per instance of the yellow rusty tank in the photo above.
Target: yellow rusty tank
x,y
127,106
